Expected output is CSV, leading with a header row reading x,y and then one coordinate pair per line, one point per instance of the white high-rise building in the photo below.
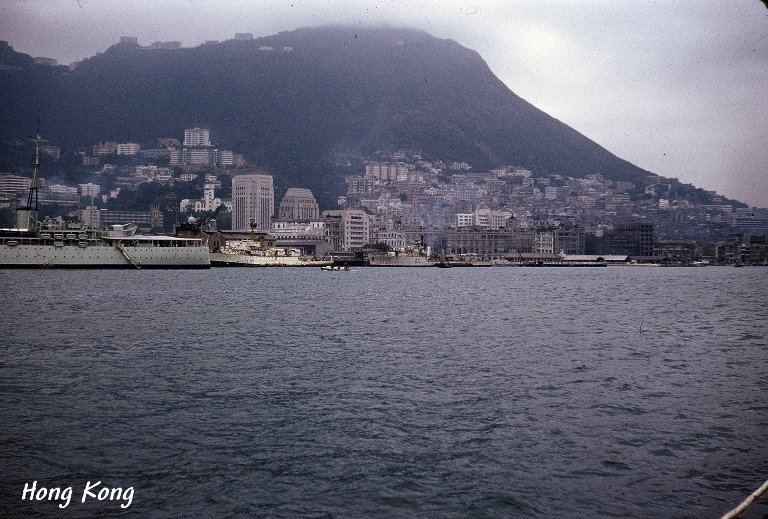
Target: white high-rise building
x,y
348,229
253,200
197,137
128,148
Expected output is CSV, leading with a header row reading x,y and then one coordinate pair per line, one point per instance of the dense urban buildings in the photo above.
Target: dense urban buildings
x,y
396,199
197,150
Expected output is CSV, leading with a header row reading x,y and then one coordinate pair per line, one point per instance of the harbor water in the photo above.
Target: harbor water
x,y
464,392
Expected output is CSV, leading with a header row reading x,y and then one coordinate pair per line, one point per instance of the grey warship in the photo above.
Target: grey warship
x,y
56,243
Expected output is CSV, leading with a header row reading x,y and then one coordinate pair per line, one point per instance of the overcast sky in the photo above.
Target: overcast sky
x,y
679,88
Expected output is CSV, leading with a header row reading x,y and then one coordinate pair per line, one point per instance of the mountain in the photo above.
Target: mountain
x,y
296,100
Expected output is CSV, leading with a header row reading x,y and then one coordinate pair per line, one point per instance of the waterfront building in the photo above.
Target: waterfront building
x,y
487,243
348,229
299,204
253,200
544,243
633,239
568,239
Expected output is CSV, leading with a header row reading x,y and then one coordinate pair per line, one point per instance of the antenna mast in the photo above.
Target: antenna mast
x,y
26,216
32,199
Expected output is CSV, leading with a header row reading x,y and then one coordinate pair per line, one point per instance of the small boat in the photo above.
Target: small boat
x,y
338,268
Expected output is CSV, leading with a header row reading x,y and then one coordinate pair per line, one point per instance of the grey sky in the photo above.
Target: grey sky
x,y
677,87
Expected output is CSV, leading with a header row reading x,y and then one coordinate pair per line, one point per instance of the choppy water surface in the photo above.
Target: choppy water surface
x,y
502,392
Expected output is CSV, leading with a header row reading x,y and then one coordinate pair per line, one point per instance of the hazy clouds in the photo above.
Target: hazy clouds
x,y
677,87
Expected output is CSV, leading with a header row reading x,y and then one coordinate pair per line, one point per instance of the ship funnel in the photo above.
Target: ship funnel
x,y
23,218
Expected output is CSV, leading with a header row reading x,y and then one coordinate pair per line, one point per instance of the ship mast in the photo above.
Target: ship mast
x,y
32,198
26,216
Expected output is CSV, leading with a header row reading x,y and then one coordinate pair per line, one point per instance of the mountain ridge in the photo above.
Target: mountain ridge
x,y
296,99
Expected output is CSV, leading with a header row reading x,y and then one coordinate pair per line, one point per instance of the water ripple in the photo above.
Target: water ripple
x,y
417,393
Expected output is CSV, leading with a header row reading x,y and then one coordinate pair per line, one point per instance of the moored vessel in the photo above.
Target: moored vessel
x,y
417,255
254,253
55,243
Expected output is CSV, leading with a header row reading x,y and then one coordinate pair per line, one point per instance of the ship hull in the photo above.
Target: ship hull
x,y
103,256
400,261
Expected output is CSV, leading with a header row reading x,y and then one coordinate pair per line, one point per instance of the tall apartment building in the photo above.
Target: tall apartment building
x,y
128,148
386,170
253,202
360,185
632,238
12,185
197,137
299,204
348,229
